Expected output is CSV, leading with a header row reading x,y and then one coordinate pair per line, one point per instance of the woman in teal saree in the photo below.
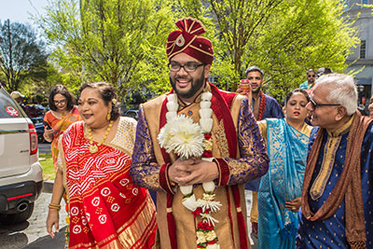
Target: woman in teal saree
x,y
280,189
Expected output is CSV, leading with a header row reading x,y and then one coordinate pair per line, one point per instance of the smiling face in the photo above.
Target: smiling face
x,y
60,102
295,108
255,80
323,116
92,108
188,85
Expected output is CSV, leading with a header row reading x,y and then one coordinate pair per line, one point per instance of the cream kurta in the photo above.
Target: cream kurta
x,y
251,162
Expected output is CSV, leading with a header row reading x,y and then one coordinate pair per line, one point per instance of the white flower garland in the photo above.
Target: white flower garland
x,y
206,236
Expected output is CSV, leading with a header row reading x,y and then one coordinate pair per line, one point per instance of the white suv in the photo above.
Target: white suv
x,y
21,175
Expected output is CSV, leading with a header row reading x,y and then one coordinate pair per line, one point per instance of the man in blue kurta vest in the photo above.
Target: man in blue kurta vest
x,y
337,210
262,106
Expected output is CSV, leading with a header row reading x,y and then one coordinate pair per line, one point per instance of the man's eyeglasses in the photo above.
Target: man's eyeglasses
x,y
315,104
311,75
61,102
189,67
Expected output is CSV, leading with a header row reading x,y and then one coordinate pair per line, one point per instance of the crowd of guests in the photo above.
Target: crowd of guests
x,y
308,163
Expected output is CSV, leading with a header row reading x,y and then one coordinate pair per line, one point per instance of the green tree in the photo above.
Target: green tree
x,y
284,38
121,42
22,55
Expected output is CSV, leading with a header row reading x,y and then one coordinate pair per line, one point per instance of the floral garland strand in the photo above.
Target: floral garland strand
x,y
192,145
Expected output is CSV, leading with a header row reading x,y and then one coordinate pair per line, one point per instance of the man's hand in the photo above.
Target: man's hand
x,y
192,171
246,93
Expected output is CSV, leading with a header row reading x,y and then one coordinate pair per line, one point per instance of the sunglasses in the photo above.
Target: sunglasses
x,y
312,75
315,104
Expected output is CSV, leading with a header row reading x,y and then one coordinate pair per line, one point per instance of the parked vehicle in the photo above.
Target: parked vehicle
x,y
21,175
39,126
132,113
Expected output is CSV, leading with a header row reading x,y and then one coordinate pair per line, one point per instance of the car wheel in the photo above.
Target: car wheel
x,y
10,219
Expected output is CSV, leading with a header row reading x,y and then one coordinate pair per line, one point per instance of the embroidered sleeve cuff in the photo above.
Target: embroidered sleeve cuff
x,y
165,183
224,174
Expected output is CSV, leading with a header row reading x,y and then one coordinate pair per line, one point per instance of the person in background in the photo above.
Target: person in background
x,y
311,76
62,114
337,191
31,111
370,107
263,106
233,150
323,70
106,209
280,191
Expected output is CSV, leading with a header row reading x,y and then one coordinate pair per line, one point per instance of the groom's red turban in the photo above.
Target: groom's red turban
x,y
187,40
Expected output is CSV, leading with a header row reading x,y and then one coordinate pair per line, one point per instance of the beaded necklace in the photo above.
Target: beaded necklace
x,y
93,148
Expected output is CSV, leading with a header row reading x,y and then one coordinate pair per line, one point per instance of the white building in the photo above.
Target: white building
x,y
362,57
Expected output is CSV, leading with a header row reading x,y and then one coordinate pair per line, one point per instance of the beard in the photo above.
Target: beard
x,y
196,85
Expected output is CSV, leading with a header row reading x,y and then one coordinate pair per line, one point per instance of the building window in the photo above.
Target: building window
x,y
365,1
362,49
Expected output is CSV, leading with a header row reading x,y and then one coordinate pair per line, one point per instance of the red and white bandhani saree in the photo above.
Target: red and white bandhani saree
x,y
107,210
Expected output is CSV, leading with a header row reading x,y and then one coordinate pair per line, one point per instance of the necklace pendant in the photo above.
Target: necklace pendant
x,y
93,148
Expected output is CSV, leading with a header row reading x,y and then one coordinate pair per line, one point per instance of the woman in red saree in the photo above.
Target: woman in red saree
x,y
62,114
106,209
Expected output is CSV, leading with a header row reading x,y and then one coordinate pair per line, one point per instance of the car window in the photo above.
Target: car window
x,y
8,107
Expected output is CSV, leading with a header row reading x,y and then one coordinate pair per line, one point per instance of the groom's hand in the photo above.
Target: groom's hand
x,y
193,171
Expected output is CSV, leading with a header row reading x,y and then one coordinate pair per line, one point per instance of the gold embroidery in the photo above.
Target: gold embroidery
x,y
221,140
330,151
236,167
152,180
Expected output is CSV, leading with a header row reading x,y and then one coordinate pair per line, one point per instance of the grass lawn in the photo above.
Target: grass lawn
x,y
47,165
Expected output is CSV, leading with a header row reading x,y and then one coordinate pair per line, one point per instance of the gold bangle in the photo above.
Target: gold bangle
x,y
54,206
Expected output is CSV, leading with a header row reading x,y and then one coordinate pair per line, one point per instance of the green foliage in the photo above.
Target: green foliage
x,y
284,38
22,55
114,41
123,42
46,162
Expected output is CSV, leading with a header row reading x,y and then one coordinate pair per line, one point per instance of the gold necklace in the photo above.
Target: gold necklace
x,y
94,148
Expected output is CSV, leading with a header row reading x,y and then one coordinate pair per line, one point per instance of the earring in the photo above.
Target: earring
x,y
108,116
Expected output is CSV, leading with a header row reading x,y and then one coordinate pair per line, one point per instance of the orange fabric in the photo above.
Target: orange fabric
x,y
106,209
59,126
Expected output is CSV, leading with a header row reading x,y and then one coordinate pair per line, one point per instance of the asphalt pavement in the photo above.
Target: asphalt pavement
x,y
33,233
44,148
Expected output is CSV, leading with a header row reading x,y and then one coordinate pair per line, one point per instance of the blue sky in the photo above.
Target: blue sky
x,y
20,10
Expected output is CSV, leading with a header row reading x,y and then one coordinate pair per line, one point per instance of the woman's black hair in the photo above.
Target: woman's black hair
x,y
60,89
108,93
297,90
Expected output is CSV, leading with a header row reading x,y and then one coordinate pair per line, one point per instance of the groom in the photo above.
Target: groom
x,y
236,151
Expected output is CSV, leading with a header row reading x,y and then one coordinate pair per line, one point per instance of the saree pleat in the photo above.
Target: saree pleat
x,y
287,150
